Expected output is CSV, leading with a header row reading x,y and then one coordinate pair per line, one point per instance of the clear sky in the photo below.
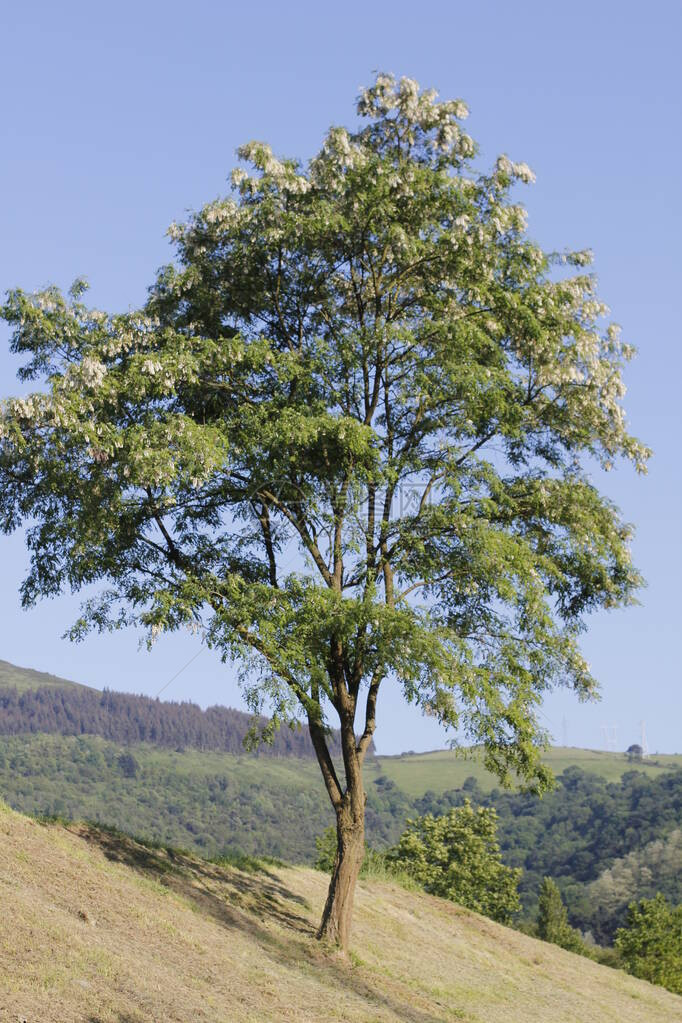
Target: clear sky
x,y
119,117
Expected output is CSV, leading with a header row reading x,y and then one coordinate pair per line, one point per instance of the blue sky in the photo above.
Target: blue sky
x,y
118,118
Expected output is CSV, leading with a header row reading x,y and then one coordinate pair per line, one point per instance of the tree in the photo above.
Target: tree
x,y
650,944
326,845
344,438
553,922
128,765
457,856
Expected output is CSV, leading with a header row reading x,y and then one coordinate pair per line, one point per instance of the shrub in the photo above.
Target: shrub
x,y
650,944
457,856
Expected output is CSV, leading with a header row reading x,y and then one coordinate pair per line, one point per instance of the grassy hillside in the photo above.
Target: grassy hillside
x,y
100,929
26,678
417,773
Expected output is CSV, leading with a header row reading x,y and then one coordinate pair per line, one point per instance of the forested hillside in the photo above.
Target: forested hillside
x,y
125,718
604,844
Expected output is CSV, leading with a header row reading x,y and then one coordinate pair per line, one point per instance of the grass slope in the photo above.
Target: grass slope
x,y
26,678
100,929
417,773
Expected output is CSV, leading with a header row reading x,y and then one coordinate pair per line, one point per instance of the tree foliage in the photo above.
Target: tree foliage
x,y
650,944
552,920
345,437
457,857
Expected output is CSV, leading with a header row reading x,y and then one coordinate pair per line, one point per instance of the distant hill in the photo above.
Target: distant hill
x,y
32,701
419,773
21,679
96,926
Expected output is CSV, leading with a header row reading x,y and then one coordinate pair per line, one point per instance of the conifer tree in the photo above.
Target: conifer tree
x,y
553,922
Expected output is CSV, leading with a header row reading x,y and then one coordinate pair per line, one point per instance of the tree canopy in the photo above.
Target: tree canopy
x,y
348,436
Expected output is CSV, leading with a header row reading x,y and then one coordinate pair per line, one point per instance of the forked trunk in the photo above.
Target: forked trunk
x,y
350,852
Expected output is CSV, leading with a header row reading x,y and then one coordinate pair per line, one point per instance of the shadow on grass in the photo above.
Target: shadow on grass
x,y
247,902
123,1017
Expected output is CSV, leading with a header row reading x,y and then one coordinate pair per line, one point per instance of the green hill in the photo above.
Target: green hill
x,y
417,773
146,935
26,678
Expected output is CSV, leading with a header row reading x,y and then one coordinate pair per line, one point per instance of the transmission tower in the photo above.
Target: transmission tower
x,y
642,741
610,736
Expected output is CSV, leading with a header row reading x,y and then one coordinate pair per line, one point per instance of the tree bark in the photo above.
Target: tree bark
x,y
350,852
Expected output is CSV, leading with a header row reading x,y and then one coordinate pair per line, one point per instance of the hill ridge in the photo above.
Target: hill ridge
x,y
57,706
13,676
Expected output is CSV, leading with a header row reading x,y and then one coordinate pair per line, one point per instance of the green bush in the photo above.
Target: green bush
x,y
457,856
650,944
376,865
326,849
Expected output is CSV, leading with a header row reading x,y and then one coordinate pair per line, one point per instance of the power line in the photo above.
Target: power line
x,y
190,661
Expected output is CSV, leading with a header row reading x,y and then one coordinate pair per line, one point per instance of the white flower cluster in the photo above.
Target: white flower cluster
x,y
387,94
418,110
28,409
583,258
222,213
379,98
593,309
341,151
505,218
91,371
152,367
45,301
282,174
504,167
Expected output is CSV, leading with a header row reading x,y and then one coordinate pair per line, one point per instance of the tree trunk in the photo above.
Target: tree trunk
x,y
350,852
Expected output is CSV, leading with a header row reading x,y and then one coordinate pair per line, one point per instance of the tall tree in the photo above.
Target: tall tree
x,y
345,436
552,920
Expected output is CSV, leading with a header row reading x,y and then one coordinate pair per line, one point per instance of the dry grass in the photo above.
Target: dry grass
x,y
95,927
